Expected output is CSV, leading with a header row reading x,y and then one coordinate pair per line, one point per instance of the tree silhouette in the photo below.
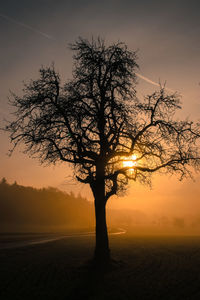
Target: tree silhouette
x,y
96,122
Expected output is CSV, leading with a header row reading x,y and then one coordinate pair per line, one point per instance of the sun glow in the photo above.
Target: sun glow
x,y
130,161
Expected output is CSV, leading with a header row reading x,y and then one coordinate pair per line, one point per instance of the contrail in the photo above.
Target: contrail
x,y
151,81
52,38
26,26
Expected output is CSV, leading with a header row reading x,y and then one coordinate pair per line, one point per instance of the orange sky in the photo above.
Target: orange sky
x,y
167,36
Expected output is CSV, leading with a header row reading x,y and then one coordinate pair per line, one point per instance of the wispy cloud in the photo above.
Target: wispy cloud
x,y
26,26
52,38
152,82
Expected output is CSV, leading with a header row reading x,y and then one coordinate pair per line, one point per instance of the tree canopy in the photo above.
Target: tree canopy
x,y
98,116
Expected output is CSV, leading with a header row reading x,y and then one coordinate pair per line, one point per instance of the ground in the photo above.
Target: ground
x,y
147,268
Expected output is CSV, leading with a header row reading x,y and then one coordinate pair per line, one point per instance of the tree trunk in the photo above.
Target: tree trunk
x,y
102,251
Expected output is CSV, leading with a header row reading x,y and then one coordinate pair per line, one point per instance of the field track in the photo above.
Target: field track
x,y
23,240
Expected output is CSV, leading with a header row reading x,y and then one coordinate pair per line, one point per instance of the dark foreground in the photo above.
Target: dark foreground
x,y
150,268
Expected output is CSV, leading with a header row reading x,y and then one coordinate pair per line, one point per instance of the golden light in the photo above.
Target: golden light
x,y
130,161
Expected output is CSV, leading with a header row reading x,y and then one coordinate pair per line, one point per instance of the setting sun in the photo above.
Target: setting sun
x,y
130,161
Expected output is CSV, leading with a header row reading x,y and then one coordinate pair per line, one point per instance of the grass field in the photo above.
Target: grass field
x,y
148,268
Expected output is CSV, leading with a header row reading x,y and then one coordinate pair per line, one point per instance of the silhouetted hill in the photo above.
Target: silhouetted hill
x,y
48,209
27,209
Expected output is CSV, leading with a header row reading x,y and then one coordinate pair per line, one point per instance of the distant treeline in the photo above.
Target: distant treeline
x,y
27,209
30,209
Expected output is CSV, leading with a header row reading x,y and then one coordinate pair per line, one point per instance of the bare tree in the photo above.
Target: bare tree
x,y
97,123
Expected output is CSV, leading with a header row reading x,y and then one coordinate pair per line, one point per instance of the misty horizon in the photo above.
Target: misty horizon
x,y
27,209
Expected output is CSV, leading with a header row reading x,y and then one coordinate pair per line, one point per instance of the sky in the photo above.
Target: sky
x,y
167,37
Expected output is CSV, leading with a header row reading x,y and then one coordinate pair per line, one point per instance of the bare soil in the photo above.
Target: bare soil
x,y
145,268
